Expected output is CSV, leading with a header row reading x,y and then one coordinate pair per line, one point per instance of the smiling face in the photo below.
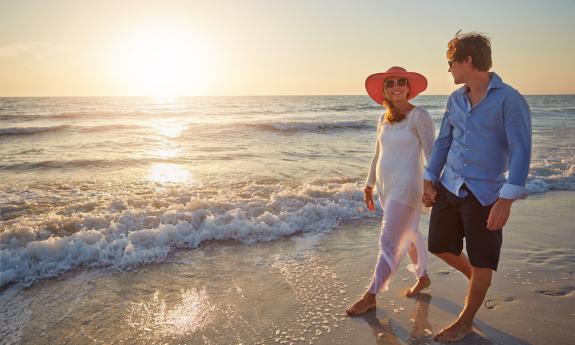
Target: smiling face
x,y
396,89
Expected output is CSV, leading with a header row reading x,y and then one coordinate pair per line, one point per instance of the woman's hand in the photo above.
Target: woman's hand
x,y
429,194
368,197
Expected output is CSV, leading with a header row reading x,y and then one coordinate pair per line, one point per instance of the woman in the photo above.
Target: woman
x,y
405,134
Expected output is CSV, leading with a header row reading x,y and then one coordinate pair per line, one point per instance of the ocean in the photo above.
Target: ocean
x,y
122,182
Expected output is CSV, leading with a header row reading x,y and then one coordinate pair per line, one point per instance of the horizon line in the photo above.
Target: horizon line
x,y
256,95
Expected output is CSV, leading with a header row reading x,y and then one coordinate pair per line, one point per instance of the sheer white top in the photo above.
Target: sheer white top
x,y
397,166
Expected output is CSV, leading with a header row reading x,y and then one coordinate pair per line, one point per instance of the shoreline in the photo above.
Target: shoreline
x,y
298,288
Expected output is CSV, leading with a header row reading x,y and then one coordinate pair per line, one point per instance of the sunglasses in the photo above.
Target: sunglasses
x,y
391,83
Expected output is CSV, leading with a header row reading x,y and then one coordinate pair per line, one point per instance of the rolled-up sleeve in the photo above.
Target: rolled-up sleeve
x,y
517,122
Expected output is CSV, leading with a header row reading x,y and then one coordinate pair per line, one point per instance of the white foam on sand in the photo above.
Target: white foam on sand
x,y
126,235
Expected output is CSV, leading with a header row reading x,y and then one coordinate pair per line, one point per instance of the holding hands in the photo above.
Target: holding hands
x,y
429,193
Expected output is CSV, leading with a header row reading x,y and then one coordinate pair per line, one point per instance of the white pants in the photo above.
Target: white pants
x,y
399,232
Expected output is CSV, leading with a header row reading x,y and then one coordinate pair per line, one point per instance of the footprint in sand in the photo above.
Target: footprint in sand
x,y
442,273
562,291
492,303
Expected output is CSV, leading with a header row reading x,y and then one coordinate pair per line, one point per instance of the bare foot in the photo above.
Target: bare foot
x,y
457,331
365,304
421,284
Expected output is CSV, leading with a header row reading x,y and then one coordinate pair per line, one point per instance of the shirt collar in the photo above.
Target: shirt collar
x,y
496,82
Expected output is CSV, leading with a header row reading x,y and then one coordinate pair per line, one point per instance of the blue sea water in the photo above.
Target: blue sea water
x,y
117,182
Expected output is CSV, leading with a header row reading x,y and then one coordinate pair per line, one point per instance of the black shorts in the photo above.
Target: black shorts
x,y
454,218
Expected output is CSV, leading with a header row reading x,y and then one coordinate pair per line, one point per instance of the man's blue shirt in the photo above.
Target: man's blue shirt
x,y
478,145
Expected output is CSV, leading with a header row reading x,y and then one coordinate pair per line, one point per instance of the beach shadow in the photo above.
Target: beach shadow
x,y
479,327
382,332
420,332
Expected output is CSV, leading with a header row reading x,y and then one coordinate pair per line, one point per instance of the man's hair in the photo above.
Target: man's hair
x,y
471,44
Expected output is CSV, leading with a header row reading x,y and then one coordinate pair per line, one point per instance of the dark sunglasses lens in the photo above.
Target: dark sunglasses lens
x,y
402,82
389,84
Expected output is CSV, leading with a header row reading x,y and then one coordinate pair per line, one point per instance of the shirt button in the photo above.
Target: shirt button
x,y
464,164
467,131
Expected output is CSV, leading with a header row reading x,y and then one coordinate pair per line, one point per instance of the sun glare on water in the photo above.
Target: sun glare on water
x,y
163,63
167,172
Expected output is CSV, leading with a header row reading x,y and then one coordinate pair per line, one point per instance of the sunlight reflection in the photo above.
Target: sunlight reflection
x,y
157,317
167,172
166,153
169,130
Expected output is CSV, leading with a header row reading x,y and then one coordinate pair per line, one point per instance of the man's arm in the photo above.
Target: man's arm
x,y
440,149
517,122
438,158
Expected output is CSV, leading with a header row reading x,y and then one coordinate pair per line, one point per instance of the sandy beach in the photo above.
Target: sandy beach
x,y
295,290
195,172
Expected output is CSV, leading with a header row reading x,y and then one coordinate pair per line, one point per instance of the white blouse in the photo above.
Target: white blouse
x,y
397,165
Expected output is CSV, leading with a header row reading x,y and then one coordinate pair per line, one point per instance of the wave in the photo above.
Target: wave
x,y
88,227
20,118
115,114
104,128
84,163
546,177
314,125
30,130
24,131
281,126
129,234
112,114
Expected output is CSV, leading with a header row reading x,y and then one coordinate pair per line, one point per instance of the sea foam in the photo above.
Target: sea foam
x,y
125,237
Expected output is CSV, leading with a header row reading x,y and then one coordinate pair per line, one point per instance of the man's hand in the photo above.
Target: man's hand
x,y
429,193
499,214
368,197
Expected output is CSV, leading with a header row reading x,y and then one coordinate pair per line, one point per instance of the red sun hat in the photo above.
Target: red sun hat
x,y
374,83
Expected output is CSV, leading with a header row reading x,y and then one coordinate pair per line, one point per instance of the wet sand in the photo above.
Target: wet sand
x,y
296,291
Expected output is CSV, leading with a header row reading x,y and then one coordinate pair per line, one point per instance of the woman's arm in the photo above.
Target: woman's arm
x,y
426,133
371,178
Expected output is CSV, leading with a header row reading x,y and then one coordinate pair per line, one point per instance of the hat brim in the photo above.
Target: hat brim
x,y
374,84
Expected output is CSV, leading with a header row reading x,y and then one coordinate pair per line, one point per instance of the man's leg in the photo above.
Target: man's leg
x,y
478,286
483,247
459,262
446,231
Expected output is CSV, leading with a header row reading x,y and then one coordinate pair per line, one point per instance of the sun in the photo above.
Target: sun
x,y
162,62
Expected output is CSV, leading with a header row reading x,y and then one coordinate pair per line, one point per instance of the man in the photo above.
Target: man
x,y
486,131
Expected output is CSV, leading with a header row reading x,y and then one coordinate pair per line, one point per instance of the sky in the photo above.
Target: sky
x,y
271,47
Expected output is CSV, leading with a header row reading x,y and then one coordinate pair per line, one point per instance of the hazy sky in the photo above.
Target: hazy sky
x,y
270,47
